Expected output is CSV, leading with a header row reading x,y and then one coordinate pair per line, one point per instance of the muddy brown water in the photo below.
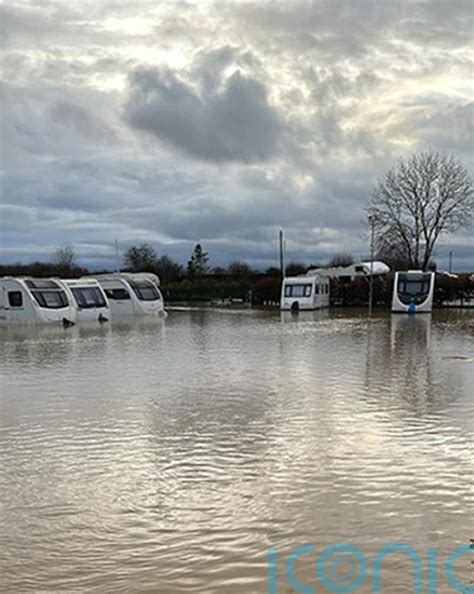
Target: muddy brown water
x,y
171,456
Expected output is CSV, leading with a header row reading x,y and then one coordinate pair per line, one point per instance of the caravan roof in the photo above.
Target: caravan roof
x,y
356,269
129,276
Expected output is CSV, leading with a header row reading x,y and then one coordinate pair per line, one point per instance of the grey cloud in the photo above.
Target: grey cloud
x,y
60,67
14,218
50,24
210,66
452,127
353,29
328,29
435,121
235,123
82,121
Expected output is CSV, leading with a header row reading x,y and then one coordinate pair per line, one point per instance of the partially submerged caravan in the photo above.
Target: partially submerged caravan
x,y
88,297
305,292
413,291
353,271
131,293
34,301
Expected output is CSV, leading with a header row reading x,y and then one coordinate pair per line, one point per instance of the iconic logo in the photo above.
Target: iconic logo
x,y
344,568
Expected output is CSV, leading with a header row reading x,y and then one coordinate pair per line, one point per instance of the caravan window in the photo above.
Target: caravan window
x,y
87,297
144,290
47,293
298,291
15,298
50,299
117,294
41,284
413,287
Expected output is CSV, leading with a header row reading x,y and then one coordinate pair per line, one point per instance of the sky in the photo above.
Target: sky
x,y
182,122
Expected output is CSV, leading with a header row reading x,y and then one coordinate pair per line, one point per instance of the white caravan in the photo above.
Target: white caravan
x,y
131,293
353,271
305,292
88,297
34,301
413,291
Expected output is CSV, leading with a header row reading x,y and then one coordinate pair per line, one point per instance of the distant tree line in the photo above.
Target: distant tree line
x,y
144,258
238,282
63,265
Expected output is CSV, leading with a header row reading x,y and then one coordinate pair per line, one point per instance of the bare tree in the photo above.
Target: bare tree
x,y
64,256
167,269
341,259
273,271
218,270
238,267
392,252
422,198
140,258
295,268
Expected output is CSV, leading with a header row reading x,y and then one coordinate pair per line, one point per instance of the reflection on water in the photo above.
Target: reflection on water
x,y
168,456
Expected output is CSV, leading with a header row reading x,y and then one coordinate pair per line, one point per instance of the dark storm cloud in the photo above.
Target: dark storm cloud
x,y
234,122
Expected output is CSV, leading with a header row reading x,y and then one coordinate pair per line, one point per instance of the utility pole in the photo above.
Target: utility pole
x,y
117,255
371,282
450,267
282,268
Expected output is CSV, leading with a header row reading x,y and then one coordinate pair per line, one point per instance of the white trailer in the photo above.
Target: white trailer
x,y
351,272
305,292
413,292
34,301
88,297
131,293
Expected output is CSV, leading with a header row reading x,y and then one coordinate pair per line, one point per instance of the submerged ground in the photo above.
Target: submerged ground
x,y
169,456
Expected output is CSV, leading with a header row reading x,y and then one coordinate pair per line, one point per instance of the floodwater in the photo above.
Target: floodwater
x,y
170,456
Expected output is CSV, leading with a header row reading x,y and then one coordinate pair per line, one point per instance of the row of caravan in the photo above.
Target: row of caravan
x,y
67,301
98,298
413,291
